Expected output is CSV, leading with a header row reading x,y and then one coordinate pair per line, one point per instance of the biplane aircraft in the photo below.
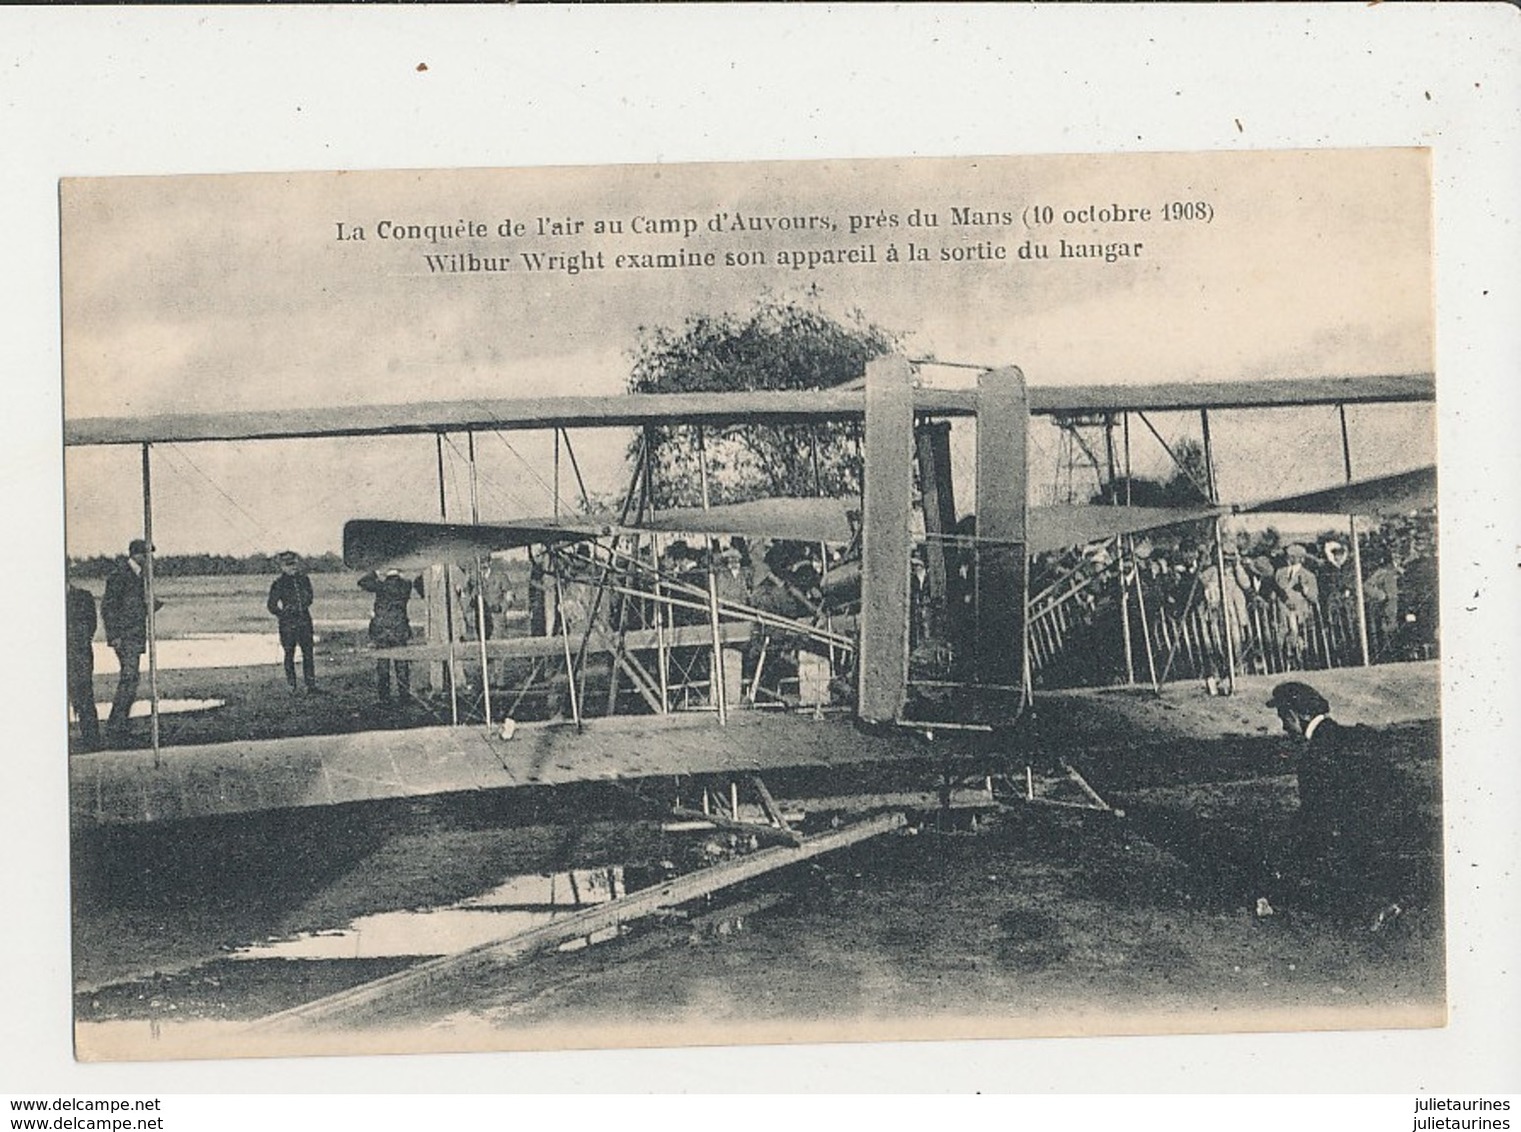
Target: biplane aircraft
x,y
919,610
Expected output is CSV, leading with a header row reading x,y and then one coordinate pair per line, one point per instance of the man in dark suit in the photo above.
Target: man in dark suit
x,y
391,628
290,600
79,620
1306,715
124,611
1350,801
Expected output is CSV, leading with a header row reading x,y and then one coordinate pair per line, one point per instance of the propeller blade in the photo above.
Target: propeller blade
x,y
1395,494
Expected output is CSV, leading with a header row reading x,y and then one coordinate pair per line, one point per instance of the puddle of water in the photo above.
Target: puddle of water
x,y
340,624
201,650
141,709
517,905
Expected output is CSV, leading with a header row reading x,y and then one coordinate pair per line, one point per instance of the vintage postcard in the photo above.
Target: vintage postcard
x,y
767,602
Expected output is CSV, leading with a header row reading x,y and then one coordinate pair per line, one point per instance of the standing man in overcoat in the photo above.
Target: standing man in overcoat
x,y
390,628
290,600
124,611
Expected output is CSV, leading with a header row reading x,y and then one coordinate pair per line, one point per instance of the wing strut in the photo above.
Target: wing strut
x,y
152,603
1357,554
448,579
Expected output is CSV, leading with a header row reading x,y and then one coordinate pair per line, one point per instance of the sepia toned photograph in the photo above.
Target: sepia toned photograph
x,y
770,602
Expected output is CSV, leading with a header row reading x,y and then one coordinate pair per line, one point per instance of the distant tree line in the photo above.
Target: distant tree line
x,y
200,565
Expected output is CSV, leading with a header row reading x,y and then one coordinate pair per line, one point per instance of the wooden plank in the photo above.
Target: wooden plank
x,y
418,984
605,640
766,834
768,803
1002,582
887,507
726,408
628,663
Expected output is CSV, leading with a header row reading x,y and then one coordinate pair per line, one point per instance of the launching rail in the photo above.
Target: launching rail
x,y
477,966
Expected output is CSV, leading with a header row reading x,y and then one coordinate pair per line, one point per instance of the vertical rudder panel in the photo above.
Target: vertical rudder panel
x,y
1002,575
886,510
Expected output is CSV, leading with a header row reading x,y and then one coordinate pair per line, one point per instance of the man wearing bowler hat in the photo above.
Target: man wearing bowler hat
x,y
1349,800
124,612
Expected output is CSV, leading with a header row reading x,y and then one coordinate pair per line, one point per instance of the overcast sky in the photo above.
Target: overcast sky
x,y
233,293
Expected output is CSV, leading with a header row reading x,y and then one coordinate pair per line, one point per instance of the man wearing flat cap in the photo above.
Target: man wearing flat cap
x,y
290,600
124,612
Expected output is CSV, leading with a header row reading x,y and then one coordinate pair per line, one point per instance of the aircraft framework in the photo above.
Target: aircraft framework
x,y
904,432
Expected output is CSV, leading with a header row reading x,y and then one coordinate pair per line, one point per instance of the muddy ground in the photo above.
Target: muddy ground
x,y
1038,919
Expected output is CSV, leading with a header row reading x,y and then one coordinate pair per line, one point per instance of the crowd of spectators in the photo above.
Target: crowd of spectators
x,y
1283,606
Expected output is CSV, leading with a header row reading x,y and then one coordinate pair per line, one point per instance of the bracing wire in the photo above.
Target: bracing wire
x,y
534,472
178,452
500,490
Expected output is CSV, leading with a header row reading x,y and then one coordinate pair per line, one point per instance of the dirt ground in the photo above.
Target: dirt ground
x,y
1189,912
1041,919
257,704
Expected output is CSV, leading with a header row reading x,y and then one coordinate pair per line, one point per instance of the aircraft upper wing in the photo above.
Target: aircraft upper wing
x,y
761,406
1394,494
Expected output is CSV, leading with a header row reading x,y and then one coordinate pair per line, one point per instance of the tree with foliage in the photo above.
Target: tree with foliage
x,y
781,344
1184,487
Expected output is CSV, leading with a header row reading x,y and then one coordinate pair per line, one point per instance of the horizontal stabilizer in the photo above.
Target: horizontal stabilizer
x,y
372,543
369,543
1060,526
1395,494
802,520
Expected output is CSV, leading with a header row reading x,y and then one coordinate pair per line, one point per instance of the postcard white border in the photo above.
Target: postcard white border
x,y
104,91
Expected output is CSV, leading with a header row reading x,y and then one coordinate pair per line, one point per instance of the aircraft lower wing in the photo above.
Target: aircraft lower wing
x,y
372,543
